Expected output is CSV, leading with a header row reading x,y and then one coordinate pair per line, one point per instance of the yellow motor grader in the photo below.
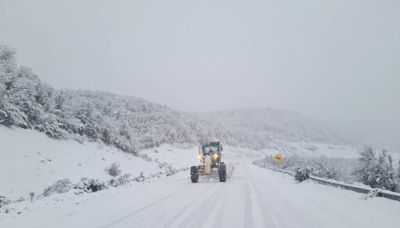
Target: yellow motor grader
x,y
210,162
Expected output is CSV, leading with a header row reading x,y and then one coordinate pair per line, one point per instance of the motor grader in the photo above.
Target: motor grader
x,y
210,162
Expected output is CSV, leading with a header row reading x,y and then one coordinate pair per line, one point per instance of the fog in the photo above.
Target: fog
x,y
330,59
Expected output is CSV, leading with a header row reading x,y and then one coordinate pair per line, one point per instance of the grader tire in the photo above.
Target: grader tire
x,y
194,174
222,172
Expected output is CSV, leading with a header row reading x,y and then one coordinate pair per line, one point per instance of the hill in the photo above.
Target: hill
x,y
132,124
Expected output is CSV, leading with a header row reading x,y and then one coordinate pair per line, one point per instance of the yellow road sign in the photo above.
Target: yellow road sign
x,y
278,158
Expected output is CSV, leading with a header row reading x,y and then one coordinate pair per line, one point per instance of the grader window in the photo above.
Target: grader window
x,y
210,149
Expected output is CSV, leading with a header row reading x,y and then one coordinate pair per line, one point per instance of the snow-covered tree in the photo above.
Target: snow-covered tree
x,y
7,71
398,171
398,178
376,172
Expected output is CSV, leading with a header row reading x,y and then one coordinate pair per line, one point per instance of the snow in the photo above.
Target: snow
x,y
31,161
176,156
252,197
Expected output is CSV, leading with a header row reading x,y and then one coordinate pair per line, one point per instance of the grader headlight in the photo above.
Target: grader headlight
x,y
215,156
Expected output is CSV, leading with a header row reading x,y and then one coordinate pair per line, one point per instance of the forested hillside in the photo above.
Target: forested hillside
x,y
259,127
131,124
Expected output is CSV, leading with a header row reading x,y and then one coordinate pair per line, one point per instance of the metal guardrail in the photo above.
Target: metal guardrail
x,y
359,189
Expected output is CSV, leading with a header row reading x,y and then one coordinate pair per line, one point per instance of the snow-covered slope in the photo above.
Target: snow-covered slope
x,y
31,161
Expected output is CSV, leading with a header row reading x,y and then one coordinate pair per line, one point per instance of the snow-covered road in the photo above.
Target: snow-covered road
x,y
252,197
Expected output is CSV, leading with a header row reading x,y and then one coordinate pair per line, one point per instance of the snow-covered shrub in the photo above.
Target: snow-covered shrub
x,y
140,178
398,169
302,174
10,115
326,172
372,193
31,196
4,201
398,178
170,171
113,182
61,186
374,171
122,180
113,170
90,185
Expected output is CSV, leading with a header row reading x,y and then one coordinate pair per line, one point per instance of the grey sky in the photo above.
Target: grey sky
x,y
324,58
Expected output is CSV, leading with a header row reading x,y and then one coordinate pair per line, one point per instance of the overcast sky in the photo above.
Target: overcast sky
x,y
323,58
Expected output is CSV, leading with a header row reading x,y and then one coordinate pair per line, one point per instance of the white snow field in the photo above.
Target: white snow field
x,y
31,161
251,197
